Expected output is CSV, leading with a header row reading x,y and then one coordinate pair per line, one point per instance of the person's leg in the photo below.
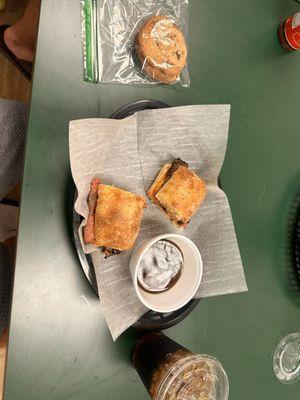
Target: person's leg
x,y
13,122
20,38
9,216
5,286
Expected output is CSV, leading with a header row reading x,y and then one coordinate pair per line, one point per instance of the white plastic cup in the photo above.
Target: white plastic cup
x,y
186,286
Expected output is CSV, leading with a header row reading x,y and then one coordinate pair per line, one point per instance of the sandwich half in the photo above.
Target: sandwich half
x,y
178,192
114,218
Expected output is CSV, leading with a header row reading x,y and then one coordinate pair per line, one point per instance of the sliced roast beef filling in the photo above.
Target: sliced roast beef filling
x,y
108,252
88,229
178,162
171,216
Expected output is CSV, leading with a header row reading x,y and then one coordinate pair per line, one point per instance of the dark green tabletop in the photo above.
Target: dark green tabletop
x,y
60,347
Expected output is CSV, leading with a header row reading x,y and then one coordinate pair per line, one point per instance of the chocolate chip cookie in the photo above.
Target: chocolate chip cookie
x,y
161,48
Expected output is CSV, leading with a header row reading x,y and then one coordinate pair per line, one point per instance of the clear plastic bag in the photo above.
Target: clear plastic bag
x,y
135,41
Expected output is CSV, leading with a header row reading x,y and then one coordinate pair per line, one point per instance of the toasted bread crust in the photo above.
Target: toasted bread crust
x,y
159,181
117,218
179,195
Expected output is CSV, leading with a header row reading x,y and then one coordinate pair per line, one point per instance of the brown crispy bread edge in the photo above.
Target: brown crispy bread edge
x,y
140,197
158,183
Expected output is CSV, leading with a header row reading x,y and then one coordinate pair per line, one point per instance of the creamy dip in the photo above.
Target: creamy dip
x,y
160,267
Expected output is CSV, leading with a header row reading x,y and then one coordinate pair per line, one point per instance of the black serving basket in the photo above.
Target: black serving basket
x,y
151,320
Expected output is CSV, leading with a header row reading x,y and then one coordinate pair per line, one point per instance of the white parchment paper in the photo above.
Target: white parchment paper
x,y
129,153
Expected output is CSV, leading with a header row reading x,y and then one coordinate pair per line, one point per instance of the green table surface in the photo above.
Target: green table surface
x,y
59,345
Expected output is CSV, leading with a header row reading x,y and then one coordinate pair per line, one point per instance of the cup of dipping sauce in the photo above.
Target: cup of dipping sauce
x,y
166,272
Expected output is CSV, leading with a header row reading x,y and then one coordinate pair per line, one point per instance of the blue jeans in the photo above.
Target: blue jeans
x,y
13,122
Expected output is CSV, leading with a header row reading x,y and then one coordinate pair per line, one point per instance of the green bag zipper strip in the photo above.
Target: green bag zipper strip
x,y
89,40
